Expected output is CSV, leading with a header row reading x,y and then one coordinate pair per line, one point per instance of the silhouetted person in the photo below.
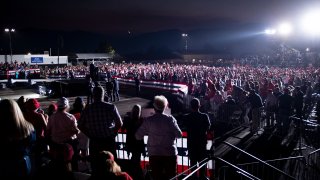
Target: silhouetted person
x,y
109,89
137,85
100,121
115,91
197,124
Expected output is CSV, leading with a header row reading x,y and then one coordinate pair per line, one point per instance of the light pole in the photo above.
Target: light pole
x,y
185,36
7,30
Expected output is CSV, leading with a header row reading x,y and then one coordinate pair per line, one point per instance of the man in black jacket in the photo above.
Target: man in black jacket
x,y
197,124
285,102
256,105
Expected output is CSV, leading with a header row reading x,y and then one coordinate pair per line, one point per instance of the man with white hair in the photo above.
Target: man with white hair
x,y
162,131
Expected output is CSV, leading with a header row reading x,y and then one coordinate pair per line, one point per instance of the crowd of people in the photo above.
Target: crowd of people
x,y
89,129
66,135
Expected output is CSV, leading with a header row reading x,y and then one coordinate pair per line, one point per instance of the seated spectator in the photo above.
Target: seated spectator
x,y
107,168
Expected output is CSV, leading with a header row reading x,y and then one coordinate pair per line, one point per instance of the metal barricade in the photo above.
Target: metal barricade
x,y
313,160
294,166
182,158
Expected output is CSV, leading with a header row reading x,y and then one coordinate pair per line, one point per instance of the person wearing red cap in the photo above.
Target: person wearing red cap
x,y
39,121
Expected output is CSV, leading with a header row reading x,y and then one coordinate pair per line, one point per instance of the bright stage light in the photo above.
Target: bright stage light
x,y
270,31
285,29
311,23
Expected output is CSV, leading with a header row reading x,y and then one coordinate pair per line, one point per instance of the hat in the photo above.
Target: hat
x,y
32,104
63,103
160,102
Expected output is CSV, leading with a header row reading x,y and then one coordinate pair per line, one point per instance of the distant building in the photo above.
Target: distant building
x,y
35,59
81,58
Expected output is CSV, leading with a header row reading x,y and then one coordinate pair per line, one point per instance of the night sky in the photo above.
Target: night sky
x,y
145,15
136,17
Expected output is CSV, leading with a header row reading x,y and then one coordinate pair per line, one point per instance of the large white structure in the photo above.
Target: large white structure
x,y
33,59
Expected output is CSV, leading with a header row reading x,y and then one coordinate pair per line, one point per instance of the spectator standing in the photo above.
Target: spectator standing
x,y
109,88
18,137
36,117
256,105
162,131
115,92
100,121
21,102
134,146
197,124
62,129
78,107
298,102
285,102
52,108
137,84
90,86
270,106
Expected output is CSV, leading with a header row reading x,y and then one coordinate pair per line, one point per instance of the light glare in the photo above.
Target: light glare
x,y
270,31
285,29
311,23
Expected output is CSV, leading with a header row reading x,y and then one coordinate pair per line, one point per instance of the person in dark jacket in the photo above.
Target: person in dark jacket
x,y
115,92
197,124
134,146
285,110
298,102
109,89
256,105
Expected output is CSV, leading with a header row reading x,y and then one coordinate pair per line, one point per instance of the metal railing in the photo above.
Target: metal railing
x,y
272,168
182,157
313,160
194,169
238,170
294,166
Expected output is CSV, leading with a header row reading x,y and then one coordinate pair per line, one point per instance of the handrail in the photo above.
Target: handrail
x,y
203,161
272,160
309,160
263,162
206,160
313,152
241,171
194,171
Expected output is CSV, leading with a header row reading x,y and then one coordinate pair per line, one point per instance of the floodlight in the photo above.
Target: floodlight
x,y
6,30
270,31
285,29
184,35
310,23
